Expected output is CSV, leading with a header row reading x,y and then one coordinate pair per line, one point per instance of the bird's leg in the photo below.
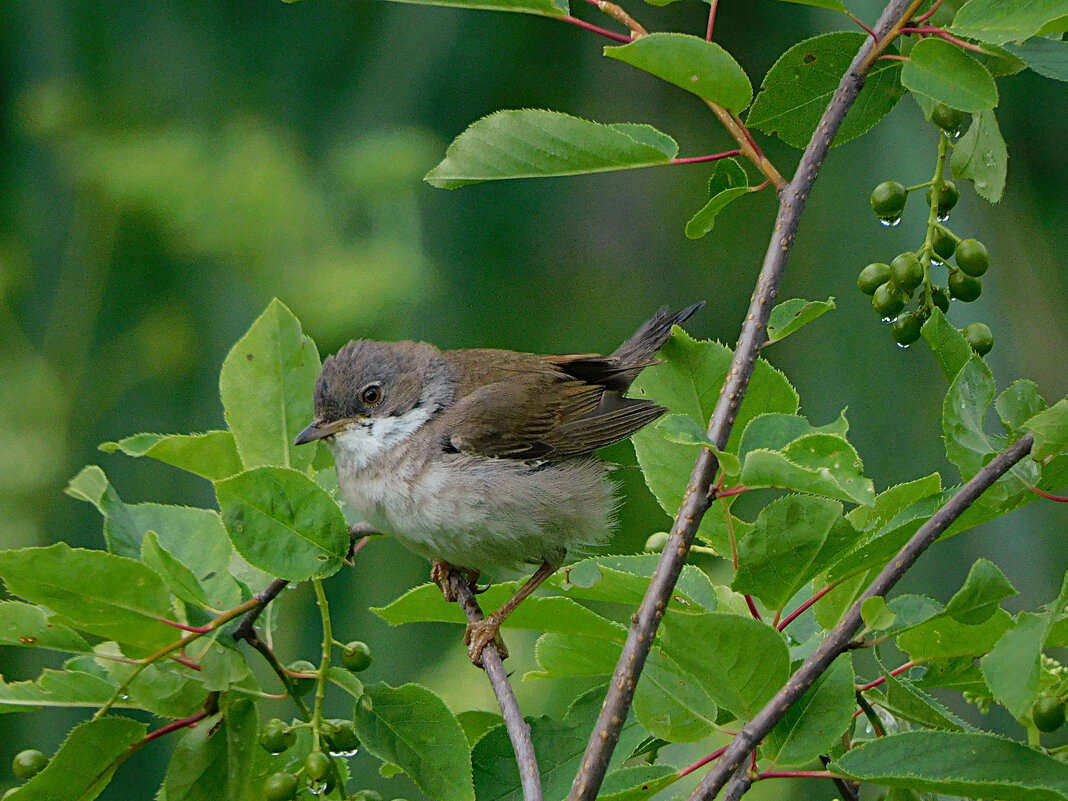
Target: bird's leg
x,y
481,633
439,574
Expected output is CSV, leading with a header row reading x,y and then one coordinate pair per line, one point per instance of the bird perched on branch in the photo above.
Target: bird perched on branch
x,y
482,458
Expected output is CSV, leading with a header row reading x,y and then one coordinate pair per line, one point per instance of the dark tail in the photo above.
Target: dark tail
x,y
638,351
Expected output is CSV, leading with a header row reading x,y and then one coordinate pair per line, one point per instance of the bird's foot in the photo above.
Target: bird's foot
x,y
439,574
480,634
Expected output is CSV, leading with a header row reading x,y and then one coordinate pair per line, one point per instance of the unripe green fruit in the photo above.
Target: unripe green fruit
x,y
888,300
276,736
302,686
656,542
963,287
906,272
357,656
888,199
947,118
871,278
28,763
940,297
280,787
980,337
1048,713
972,257
947,198
317,765
342,737
906,328
943,243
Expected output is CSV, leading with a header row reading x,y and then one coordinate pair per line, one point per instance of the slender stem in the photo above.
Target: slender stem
x,y
324,665
752,607
246,628
711,19
745,141
211,706
796,774
1048,496
871,715
619,15
867,30
737,489
934,31
838,640
892,33
714,157
702,762
790,618
589,26
280,671
882,679
928,14
518,730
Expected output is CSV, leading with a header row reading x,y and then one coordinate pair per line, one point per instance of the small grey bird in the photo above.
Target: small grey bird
x,y
481,458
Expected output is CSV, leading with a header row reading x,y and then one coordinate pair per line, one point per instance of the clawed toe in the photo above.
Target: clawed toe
x,y
479,635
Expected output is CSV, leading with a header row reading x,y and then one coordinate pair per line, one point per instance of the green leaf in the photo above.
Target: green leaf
x,y
790,315
983,591
266,386
727,183
671,703
61,689
345,680
212,455
84,764
775,431
684,430
1019,403
961,764
947,343
570,655
425,604
820,464
963,412
1050,429
282,522
943,637
688,382
532,143
876,614
906,701
541,8
624,580
799,86
1000,21
892,501
476,722
742,661
117,598
795,539
121,533
178,578
213,760
32,627
409,726
636,782
981,156
1048,57
691,63
946,73
816,721
832,5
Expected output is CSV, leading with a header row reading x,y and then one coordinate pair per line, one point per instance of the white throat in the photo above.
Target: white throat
x,y
359,443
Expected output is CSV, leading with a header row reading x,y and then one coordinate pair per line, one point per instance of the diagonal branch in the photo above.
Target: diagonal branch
x,y
518,730
838,640
792,199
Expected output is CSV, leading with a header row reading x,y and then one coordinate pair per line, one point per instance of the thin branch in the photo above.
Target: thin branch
x,y
850,790
246,628
702,762
838,639
790,618
711,19
882,679
796,774
713,157
518,730
211,706
589,26
696,500
1049,496
619,15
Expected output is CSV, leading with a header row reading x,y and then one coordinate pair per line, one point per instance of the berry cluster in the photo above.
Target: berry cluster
x,y
895,285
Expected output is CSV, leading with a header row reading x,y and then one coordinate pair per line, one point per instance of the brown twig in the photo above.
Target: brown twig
x,y
246,627
696,500
838,639
518,730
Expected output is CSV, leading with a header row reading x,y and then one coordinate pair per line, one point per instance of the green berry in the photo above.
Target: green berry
x,y
342,737
656,542
972,257
1048,713
888,300
943,243
979,337
276,736
871,278
963,287
947,198
280,787
941,299
947,118
906,272
888,200
28,763
357,656
906,328
317,766
302,686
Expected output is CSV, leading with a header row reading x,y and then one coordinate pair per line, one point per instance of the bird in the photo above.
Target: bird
x,y
483,458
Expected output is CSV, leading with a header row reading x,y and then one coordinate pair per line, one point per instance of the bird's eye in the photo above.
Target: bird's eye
x,y
371,394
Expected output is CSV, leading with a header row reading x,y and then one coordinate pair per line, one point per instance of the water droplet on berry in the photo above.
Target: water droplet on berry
x,y
891,222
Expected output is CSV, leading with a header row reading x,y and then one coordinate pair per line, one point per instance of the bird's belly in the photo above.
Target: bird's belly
x,y
478,513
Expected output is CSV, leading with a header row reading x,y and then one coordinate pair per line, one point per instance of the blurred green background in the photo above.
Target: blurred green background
x,y
167,168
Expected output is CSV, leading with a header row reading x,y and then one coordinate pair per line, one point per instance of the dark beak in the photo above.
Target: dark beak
x,y
320,429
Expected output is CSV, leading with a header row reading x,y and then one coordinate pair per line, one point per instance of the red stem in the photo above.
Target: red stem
x,y
867,30
895,672
714,157
702,762
790,618
183,627
189,663
934,31
1048,496
752,607
892,57
737,489
711,19
930,13
181,723
618,37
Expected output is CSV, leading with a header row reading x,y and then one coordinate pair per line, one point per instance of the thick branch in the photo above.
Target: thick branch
x,y
837,641
518,730
696,500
